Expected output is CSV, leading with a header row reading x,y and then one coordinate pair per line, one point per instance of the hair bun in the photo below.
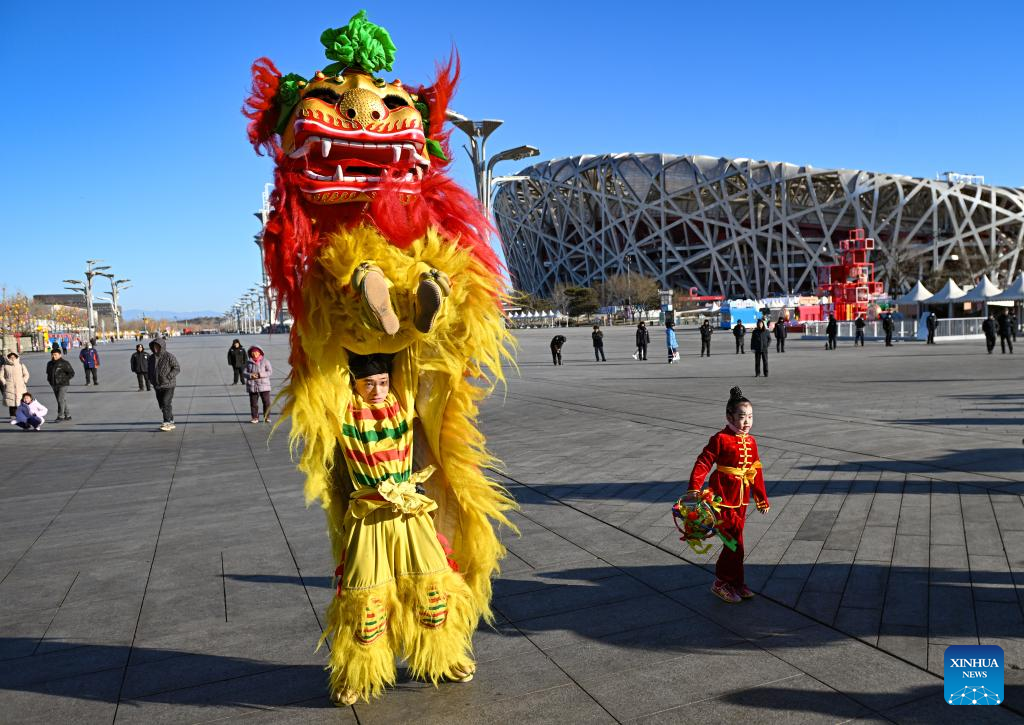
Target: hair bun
x,y
735,393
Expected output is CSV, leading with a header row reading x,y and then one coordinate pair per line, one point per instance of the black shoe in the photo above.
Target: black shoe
x,y
55,420
67,417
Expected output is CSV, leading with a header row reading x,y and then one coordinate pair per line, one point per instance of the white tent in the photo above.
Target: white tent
x,y
950,293
918,293
981,292
1012,293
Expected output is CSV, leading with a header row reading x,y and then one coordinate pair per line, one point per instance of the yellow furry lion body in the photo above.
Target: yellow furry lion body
x,y
439,376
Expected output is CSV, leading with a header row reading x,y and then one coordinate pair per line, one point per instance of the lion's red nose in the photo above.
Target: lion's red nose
x,y
362,106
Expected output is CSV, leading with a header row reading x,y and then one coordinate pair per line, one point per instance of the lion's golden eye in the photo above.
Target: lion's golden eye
x,y
379,82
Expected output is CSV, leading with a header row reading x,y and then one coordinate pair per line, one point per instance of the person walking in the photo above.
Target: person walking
x,y
556,349
831,330
705,338
90,361
58,374
740,333
1003,326
15,376
888,325
64,347
257,374
140,366
780,335
237,359
932,322
989,328
671,342
163,369
598,338
759,343
643,339
1013,325
30,414
859,324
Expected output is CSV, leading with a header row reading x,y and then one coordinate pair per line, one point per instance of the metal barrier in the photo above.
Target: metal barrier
x,y
902,329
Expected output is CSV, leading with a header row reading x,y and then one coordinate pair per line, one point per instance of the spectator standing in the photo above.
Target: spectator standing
x,y
1013,325
598,338
64,347
887,327
163,370
643,339
556,349
932,322
705,338
831,330
859,325
90,361
780,335
671,342
257,374
15,376
237,359
58,374
760,340
1003,326
31,414
140,366
740,333
989,328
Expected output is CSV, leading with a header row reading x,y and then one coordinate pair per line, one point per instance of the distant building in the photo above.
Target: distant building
x,y
745,228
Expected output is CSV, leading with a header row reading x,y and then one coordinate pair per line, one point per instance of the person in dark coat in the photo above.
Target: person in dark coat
x,y
556,349
888,325
643,339
236,359
932,322
1003,327
58,374
989,328
760,339
163,370
598,339
780,335
705,338
90,361
859,324
832,330
1013,325
740,333
140,366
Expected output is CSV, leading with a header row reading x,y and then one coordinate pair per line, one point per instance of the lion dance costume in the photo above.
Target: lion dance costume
x,y
377,252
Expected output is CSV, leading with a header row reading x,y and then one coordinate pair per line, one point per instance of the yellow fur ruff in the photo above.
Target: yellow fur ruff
x,y
444,374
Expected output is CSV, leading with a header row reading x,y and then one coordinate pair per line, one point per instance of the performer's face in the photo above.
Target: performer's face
x,y
742,418
374,388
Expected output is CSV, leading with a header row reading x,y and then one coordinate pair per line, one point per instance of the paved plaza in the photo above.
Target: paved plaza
x,y
177,577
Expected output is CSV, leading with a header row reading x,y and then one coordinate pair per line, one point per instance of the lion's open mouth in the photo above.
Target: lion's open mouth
x,y
360,161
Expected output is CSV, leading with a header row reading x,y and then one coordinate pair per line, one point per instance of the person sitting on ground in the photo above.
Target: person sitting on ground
x,y
15,377
31,414
257,374
556,349
140,366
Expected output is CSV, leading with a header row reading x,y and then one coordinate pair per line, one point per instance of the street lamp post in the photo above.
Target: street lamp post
x,y
86,289
116,285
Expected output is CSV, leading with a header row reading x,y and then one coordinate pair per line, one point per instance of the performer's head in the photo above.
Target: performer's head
x,y
371,376
739,412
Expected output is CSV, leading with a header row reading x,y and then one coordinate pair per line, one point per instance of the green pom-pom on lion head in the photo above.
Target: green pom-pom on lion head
x,y
360,44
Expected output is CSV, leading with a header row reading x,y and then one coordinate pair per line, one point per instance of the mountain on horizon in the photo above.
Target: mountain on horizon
x,y
168,314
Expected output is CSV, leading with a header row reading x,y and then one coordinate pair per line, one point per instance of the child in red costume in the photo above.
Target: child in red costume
x,y
736,477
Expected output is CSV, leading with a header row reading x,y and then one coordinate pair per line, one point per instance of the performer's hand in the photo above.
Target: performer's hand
x,y
763,506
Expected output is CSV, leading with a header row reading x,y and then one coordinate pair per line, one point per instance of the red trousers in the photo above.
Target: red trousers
x,y
730,563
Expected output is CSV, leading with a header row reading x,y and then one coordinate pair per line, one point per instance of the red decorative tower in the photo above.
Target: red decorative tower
x,y
850,284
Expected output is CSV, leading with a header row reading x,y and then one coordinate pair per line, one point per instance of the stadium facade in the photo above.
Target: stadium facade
x,y
746,228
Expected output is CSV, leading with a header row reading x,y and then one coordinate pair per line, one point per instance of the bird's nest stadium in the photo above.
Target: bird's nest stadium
x,y
746,228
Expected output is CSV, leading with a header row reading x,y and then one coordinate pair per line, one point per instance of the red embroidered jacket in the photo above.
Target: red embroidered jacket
x,y
738,472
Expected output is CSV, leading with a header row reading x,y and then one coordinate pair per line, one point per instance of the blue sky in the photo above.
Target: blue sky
x,y
125,140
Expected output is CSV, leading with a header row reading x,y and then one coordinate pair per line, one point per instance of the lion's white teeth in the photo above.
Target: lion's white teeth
x,y
396,154
325,147
339,174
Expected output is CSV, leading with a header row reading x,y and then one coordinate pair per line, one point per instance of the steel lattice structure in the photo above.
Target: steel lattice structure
x,y
746,228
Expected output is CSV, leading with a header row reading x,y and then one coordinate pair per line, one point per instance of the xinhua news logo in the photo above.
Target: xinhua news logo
x,y
973,674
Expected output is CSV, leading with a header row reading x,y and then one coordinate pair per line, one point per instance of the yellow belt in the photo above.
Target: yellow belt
x,y
746,476
401,497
